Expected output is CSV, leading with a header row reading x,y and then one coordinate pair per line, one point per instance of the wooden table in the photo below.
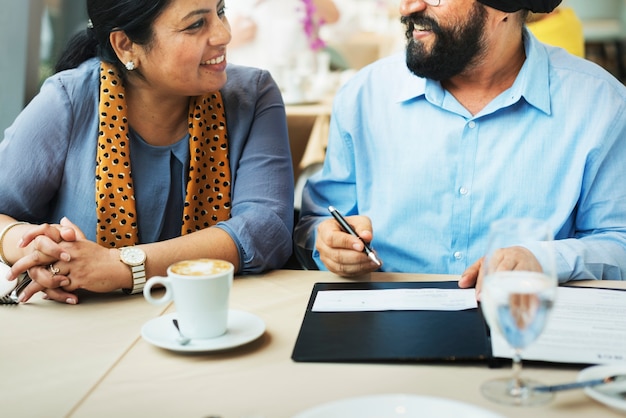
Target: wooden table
x,y
53,354
90,361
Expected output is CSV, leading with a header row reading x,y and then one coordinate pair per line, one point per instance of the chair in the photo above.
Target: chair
x,y
604,28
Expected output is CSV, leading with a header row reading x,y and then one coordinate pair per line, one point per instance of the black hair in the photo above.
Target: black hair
x,y
133,17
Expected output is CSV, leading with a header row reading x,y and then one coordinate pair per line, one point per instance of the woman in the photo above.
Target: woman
x,y
152,152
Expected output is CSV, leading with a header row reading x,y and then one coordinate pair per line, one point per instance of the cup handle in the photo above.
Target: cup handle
x,y
147,290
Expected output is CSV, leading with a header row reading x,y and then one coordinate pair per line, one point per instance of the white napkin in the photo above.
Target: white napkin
x,y
6,286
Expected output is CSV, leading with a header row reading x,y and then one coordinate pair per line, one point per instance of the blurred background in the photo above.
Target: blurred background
x,y
33,32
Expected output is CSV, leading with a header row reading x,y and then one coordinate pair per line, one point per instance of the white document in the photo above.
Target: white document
x,y
585,326
394,300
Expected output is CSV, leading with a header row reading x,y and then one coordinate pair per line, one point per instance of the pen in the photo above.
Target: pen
x,y
578,385
346,227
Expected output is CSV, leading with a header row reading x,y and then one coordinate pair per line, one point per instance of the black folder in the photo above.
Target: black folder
x,y
391,336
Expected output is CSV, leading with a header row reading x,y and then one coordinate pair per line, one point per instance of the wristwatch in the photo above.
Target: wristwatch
x,y
134,258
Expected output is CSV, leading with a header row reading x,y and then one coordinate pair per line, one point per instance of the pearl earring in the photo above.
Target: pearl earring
x,y
130,65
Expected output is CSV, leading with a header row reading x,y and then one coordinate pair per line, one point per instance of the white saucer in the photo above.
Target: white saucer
x,y
608,394
396,405
243,327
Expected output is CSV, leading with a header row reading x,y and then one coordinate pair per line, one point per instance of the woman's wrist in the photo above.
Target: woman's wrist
x,y
3,236
121,272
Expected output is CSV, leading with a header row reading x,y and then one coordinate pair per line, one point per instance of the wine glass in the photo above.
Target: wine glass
x,y
516,298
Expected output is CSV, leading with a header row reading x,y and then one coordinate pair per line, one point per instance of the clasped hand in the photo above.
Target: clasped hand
x,y
59,260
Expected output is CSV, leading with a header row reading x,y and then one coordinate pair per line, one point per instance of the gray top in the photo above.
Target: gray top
x,y
48,160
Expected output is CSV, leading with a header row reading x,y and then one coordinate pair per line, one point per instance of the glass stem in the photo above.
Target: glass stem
x,y
516,388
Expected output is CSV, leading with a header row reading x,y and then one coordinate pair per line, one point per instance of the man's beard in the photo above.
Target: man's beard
x,y
454,49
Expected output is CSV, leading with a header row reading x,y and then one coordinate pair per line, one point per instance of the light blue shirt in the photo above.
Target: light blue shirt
x,y
48,160
432,177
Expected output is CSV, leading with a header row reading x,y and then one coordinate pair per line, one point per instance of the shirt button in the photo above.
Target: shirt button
x,y
463,191
472,124
458,255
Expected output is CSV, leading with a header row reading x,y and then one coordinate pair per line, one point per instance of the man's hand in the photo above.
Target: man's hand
x,y
511,258
343,253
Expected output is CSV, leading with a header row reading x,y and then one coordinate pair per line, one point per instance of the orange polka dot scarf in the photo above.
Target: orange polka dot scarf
x,y
207,200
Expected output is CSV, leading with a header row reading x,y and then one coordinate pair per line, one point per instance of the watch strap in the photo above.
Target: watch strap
x,y
139,279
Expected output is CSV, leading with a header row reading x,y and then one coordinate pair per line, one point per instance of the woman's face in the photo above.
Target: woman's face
x,y
187,56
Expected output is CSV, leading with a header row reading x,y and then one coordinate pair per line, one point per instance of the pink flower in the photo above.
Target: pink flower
x,y
311,26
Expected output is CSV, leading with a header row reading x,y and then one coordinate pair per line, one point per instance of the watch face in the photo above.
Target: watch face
x,y
133,256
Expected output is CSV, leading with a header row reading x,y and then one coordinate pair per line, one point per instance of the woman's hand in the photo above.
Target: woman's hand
x,y
43,241
60,267
40,244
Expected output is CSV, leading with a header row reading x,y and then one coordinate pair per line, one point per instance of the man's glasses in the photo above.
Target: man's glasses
x,y
433,2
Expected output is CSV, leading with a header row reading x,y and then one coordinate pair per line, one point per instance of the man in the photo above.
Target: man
x,y
478,122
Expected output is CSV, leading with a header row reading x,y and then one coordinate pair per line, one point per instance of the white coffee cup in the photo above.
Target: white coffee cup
x,y
200,290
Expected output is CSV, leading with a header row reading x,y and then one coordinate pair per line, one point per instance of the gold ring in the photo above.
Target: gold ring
x,y
54,270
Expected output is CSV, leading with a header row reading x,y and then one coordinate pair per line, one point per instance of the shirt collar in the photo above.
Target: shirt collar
x,y
408,86
532,82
